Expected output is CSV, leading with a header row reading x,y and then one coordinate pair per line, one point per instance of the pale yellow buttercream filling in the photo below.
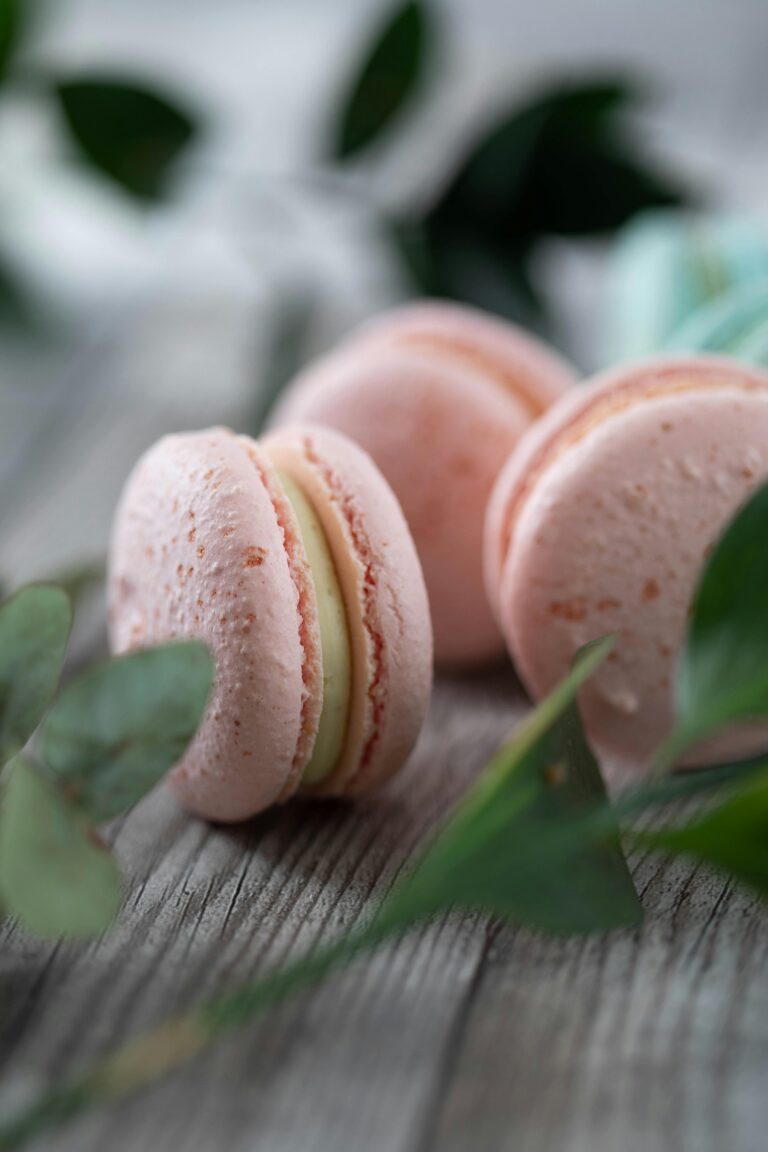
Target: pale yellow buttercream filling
x,y
334,639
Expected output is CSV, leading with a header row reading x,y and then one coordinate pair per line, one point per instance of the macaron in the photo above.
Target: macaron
x,y
665,266
601,522
439,395
290,557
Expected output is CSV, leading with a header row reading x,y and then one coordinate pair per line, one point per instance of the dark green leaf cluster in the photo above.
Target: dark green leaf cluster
x,y
561,164
97,747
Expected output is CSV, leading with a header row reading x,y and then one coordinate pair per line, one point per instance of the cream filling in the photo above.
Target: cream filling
x,y
334,639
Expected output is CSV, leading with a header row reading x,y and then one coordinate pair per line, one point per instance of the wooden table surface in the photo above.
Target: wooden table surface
x,y
464,1036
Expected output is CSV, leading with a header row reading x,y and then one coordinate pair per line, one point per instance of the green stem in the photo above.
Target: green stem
x,y
176,1041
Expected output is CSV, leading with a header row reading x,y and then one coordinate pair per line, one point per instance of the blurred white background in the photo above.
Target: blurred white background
x,y
168,313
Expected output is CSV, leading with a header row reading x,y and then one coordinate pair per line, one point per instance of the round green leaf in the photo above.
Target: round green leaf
x,y
34,630
55,873
116,730
129,133
387,80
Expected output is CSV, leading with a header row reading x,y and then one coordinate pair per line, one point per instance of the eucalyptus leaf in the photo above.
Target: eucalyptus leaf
x,y
34,631
732,837
56,875
125,131
117,729
387,81
723,672
519,845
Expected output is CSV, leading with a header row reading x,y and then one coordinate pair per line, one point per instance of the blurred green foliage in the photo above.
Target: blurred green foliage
x,y
386,81
561,164
125,132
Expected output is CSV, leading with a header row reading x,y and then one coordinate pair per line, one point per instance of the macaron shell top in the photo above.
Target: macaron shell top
x,y
590,403
438,396
205,544
521,363
384,588
611,520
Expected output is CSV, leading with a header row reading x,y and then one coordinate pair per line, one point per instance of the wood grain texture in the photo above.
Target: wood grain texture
x,y
464,1035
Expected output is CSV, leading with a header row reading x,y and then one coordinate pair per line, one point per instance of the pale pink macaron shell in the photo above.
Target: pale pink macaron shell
x,y
206,544
379,571
606,529
438,395
520,362
198,549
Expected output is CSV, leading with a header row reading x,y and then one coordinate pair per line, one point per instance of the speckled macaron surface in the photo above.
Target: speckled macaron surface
x,y
600,523
208,543
438,395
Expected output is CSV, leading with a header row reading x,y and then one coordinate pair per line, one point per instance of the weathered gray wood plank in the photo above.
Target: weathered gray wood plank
x,y
463,1035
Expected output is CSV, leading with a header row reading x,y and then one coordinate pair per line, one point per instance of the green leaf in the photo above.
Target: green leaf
x,y
116,730
562,164
11,28
732,837
129,133
55,873
34,631
517,846
559,165
723,671
386,82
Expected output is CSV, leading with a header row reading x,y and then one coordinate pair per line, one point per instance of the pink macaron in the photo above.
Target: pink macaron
x,y
291,558
600,523
438,394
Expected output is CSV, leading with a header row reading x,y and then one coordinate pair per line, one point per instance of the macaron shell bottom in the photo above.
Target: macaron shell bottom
x,y
611,540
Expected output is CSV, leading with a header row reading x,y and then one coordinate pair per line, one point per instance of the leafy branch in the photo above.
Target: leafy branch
x,y
536,840
560,164
98,746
